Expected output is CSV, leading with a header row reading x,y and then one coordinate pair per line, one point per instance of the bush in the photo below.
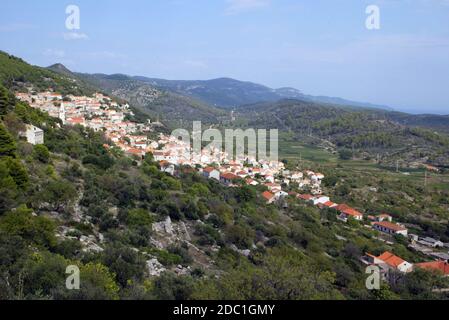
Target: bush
x,y
139,217
37,230
41,153
345,154
7,143
241,236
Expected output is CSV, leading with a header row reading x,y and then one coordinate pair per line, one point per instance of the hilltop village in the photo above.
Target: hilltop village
x,y
102,114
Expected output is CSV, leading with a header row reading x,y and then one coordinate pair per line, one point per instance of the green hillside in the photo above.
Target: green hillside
x,y
366,134
138,233
17,74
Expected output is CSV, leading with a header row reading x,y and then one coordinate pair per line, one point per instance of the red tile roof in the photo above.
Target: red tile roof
x,y
342,207
163,163
352,212
305,196
329,204
229,176
267,195
391,226
441,266
391,259
135,151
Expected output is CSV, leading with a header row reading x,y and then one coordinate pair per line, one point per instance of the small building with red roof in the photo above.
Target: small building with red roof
x,y
229,178
348,212
390,228
269,197
306,197
392,261
211,173
438,266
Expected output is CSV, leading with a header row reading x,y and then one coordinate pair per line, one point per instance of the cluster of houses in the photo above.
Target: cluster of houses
x,y
382,222
98,112
216,164
389,263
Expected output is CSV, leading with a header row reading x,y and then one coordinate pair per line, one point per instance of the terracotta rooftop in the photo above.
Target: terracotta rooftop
x,y
229,176
391,259
267,195
391,226
305,196
441,266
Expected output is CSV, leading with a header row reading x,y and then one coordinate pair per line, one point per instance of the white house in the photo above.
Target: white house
x,y
390,228
280,194
167,167
431,242
320,200
34,134
384,217
392,261
211,173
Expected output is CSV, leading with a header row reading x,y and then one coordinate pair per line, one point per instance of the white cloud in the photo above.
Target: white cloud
x,y
54,53
238,6
75,36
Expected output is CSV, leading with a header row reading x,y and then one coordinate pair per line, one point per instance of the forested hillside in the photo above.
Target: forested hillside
x,y
16,73
389,136
136,232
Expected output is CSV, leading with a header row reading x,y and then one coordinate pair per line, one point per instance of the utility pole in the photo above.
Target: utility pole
x,y
397,165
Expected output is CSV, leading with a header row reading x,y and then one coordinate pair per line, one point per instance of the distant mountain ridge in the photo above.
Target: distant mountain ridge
x,y
232,93
167,105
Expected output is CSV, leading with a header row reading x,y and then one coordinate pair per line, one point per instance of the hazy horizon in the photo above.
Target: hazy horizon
x,y
321,48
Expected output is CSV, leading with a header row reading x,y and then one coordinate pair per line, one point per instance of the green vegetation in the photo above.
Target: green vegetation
x,y
74,202
14,73
367,134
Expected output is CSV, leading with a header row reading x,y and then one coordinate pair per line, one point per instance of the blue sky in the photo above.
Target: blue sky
x,y
321,47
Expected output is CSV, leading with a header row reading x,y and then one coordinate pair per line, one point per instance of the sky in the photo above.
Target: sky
x,y
321,47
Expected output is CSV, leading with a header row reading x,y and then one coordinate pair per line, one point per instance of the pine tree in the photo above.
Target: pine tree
x,y
7,143
4,100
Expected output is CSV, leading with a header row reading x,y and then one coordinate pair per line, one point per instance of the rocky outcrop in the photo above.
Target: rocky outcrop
x,y
155,268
